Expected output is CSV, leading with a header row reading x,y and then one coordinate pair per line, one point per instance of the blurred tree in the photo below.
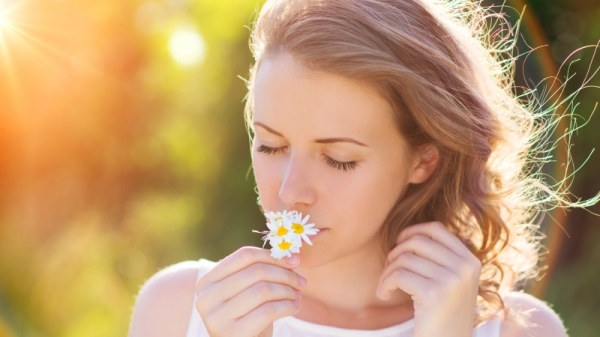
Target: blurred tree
x,y
570,26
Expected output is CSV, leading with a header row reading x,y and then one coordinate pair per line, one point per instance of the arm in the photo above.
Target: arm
x,y
543,320
165,302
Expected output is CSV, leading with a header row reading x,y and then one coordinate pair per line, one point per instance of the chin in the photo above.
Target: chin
x,y
311,257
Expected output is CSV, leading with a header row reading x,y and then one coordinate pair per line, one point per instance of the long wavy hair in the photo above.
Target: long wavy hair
x,y
448,77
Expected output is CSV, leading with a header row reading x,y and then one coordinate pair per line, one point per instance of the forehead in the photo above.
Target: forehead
x,y
291,97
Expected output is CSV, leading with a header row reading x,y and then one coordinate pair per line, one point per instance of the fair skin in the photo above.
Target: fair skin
x,y
309,126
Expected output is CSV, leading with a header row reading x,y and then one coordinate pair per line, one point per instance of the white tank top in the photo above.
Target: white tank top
x,y
294,327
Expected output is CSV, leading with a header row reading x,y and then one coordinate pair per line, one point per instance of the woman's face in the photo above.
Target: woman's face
x,y
328,147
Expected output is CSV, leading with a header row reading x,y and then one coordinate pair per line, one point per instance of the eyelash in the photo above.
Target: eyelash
x,y
342,166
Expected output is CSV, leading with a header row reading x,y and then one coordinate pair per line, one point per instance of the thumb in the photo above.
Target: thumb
x,y
267,332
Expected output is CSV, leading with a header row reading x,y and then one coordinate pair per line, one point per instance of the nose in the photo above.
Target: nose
x,y
297,188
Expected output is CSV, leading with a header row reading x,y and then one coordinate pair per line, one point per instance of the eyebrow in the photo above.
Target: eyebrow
x,y
320,141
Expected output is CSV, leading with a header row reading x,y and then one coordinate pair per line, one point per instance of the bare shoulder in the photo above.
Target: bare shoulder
x,y
164,303
542,320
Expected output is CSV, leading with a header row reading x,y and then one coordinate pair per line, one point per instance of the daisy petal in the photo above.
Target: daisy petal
x,y
305,237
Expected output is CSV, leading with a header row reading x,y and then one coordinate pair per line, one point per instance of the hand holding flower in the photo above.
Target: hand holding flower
x,y
245,292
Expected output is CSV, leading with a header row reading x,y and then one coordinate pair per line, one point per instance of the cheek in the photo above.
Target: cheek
x,y
268,180
369,199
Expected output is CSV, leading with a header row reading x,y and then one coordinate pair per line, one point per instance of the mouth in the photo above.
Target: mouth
x,y
320,232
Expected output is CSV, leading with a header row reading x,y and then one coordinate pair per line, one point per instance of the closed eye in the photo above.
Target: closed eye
x,y
270,150
342,166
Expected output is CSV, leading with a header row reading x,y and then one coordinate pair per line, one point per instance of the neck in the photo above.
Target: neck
x,y
346,287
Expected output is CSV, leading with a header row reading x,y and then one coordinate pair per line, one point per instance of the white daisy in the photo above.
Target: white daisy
x,y
286,232
280,227
301,229
284,248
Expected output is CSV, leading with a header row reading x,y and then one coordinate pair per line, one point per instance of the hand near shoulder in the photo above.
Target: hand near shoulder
x,y
442,276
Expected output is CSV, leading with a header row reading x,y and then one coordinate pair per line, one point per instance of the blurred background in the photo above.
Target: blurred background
x,y
123,150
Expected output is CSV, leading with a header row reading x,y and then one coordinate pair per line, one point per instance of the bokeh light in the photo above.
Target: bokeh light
x,y
186,47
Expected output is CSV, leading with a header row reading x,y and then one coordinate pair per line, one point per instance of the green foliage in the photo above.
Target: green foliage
x,y
147,166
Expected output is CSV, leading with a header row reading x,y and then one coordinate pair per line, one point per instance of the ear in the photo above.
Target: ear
x,y
426,160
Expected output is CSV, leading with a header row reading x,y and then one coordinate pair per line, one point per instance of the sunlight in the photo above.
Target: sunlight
x,y
3,21
26,47
4,11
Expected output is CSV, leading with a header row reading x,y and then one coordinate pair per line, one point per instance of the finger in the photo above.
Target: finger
x,y
254,296
405,280
213,295
260,318
241,259
438,232
427,248
416,264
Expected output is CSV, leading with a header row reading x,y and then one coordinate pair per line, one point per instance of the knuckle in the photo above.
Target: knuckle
x,y
199,304
269,310
262,289
246,254
202,284
405,258
419,239
292,278
285,307
470,270
438,224
199,285
257,271
202,298
453,280
398,274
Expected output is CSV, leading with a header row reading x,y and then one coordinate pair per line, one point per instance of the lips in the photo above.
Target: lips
x,y
321,231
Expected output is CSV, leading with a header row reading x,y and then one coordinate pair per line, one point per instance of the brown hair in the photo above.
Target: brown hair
x,y
449,82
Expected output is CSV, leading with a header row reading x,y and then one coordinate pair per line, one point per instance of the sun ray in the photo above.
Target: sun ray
x,y
33,40
6,11
39,28
7,68
17,35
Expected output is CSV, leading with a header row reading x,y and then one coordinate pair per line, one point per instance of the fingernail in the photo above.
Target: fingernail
x,y
297,304
298,294
292,260
302,281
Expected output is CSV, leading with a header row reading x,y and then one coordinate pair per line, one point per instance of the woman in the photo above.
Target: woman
x,y
392,124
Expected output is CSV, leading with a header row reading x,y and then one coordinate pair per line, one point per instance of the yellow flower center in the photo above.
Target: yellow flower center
x,y
281,231
298,228
284,245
